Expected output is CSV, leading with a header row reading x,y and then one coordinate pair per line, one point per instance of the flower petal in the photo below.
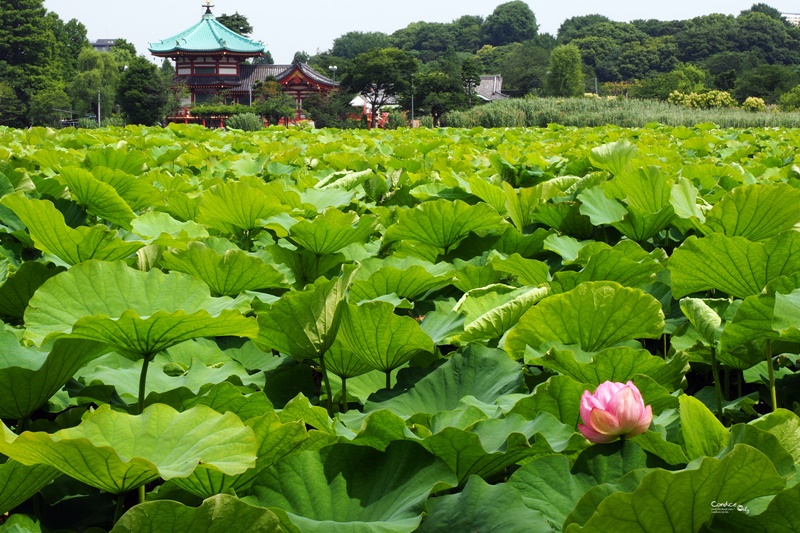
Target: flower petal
x,y
604,422
627,408
594,436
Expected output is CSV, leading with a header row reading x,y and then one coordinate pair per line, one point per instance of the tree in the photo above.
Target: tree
x,y
512,22
330,110
566,72
379,76
353,43
12,110
70,40
438,92
684,78
524,68
141,93
271,102
96,71
767,82
47,107
470,78
237,23
574,28
27,51
468,33
123,53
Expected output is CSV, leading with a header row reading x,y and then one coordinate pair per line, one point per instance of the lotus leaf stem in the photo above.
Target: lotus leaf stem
x,y
344,395
771,372
388,379
143,382
717,384
327,383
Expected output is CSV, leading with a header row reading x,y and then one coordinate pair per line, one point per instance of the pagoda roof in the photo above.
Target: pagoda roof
x,y
254,73
208,35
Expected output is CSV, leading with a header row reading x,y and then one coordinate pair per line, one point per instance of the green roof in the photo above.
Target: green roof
x,y
208,35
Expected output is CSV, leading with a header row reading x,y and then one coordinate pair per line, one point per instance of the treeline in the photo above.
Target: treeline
x,y
49,72
754,54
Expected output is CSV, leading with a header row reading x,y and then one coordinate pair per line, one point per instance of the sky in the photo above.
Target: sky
x,y
311,25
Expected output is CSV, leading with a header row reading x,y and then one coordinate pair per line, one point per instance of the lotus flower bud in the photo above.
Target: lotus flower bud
x,y
614,410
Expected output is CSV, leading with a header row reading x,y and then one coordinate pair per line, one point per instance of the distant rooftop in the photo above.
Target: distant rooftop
x,y
103,45
793,18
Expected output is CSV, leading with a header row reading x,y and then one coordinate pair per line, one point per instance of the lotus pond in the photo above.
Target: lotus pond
x,y
397,331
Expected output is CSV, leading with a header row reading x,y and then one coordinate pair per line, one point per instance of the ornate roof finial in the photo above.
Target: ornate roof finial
x,y
208,7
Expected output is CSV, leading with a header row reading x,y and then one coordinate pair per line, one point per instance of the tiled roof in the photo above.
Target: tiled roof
x,y
250,74
208,35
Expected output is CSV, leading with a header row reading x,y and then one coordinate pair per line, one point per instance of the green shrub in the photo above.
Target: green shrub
x,y
87,123
790,101
706,100
397,119
245,122
115,121
754,103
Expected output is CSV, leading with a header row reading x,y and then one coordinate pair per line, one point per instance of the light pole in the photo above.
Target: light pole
x,y
98,108
333,68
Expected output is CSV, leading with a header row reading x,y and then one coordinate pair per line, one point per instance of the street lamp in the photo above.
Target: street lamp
x,y
98,108
333,68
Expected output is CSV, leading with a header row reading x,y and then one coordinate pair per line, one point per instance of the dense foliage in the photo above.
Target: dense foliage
x,y
392,331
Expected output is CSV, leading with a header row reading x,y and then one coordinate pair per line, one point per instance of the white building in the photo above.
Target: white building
x,y
793,18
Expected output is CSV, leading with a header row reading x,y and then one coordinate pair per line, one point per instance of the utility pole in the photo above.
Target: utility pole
x,y
98,108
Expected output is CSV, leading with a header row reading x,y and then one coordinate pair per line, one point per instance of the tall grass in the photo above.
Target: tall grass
x,y
588,112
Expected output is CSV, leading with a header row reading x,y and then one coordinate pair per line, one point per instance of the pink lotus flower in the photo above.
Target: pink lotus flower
x,y
614,410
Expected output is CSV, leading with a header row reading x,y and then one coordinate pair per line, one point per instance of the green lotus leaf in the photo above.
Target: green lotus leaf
x,y
756,212
548,487
619,365
703,434
332,230
683,499
640,225
51,234
352,488
733,265
320,199
488,447
489,314
589,502
443,224
128,161
138,192
124,374
593,316
31,377
483,373
786,319
161,228
20,523
646,189
117,452
275,441
521,204
228,274
304,324
780,516
217,515
612,265
683,198
763,441
139,313
411,282
753,320
485,508
343,363
601,209
19,482
489,193
559,396
527,271
234,207
704,318
372,332
614,157
98,198
785,425
19,287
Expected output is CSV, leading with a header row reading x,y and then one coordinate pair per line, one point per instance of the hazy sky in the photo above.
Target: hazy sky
x,y
311,25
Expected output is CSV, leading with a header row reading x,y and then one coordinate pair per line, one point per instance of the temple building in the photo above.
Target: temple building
x,y
210,58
